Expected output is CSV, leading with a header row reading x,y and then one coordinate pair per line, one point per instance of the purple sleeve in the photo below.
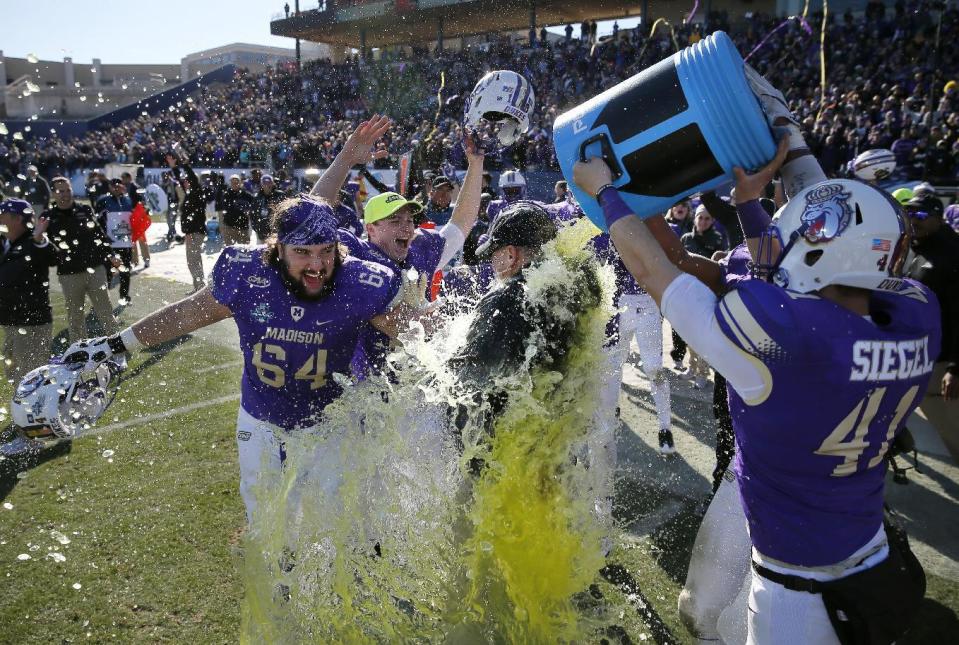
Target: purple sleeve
x,y
760,318
233,265
753,218
372,287
352,243
426,250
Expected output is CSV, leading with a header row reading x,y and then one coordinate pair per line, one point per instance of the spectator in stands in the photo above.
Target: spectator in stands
x,y
113,214
236,205
25,316
192,216
439,206
83,249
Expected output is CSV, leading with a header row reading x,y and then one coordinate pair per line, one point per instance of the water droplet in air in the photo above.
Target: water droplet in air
x,y
32,58
107,454
8,506
57,557
77,586
23,556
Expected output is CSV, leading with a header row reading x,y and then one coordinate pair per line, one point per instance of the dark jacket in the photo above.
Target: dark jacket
x,y
78,238
263,210
194,204
936,265
236,206
25,281
705,243
36,191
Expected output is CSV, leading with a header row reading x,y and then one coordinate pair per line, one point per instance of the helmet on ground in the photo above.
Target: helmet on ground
x,y
500,104
53,401
839,231
874,165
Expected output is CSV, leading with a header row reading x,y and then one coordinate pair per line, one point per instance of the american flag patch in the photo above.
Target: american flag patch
x,y
881,245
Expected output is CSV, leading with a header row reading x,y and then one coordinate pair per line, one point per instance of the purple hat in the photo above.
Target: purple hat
x,y
19,207
309,222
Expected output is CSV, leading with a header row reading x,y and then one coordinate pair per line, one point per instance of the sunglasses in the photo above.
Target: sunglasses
x,y
917,214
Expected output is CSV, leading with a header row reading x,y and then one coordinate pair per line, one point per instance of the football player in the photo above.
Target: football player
x,y
392,238
637,315
832,323
299,304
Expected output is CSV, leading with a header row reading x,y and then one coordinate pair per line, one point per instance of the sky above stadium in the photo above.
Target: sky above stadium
x,y
133,32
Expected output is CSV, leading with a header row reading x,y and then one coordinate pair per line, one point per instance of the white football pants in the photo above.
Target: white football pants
x,y
640,317
712,604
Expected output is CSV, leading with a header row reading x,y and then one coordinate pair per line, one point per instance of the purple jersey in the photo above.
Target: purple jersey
x,y
564,211
838,388
469,283
952,217
346,218
736,266
426,248
291,346
603,248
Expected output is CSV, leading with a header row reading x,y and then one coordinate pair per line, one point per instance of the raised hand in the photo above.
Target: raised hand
x,y
591,175
360,143
749,187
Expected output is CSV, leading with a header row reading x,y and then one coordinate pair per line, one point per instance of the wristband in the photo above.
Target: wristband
x,y
124,342
753,218
614,208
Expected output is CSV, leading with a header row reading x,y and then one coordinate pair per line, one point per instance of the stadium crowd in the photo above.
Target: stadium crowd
x,y
905,99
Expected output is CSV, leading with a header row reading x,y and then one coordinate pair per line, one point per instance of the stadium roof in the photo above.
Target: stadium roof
x,y
395,22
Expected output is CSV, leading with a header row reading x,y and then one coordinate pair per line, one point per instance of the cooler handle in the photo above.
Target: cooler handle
x,y
607,153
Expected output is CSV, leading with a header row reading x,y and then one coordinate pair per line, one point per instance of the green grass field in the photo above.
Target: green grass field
x,y
132,533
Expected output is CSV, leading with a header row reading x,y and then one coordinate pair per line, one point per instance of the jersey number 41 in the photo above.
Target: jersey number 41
x,y
836,444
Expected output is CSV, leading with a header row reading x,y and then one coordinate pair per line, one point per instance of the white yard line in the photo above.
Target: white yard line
x,y
221,366
160,415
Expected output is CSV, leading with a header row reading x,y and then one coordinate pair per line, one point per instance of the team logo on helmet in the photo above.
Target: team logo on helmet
x,y
827,213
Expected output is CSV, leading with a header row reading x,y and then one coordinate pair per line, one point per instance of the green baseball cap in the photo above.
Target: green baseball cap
x,y
902,195
385,204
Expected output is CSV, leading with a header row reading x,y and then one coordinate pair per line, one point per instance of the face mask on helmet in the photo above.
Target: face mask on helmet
x,y
840,232
497,112
52,402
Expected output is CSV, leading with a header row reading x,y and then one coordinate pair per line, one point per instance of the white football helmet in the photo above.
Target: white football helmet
x,y
874,165
838,231
512,184
53,401
504,101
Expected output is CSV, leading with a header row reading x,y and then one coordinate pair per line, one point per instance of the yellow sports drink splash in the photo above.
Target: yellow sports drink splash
x,y
381,531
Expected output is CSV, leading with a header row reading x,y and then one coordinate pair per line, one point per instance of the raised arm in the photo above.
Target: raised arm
x,y
174,320
468,202
180,318
356,150
801,169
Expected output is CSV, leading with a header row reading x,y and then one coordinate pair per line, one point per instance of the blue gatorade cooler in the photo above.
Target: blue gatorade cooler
x,y
676,128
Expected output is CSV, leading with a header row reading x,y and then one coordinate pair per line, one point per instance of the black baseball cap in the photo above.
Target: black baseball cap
x,y
923,206
441,182
522,224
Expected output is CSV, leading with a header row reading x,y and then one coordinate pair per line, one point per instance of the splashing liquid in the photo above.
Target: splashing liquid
x,y
379,531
